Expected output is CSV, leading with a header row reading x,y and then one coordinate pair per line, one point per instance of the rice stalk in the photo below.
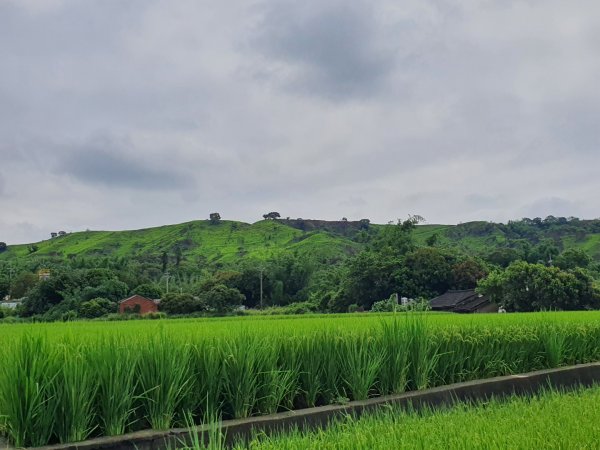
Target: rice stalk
x,y
207,387
26,378
114,364
362,361
241,374
394,343
73,393
165,377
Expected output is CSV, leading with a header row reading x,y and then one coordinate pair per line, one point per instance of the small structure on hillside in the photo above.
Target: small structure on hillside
x,y
463,301
9,303
44,274
138,304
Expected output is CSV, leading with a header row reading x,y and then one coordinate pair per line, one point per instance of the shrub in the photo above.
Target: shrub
x,y
300,308
96,307
154,316
174,303
222,299
388,305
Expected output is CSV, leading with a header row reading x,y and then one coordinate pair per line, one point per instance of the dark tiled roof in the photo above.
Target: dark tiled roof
x,y
472,304
459,301
451,299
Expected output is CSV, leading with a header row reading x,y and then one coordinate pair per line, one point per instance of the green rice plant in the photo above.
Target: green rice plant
x,y
289,358
73,393
276,382
197,440
207,386
583,343
243,358
394,343
152,374
165,373
554,344
329,354
362,359
513,423
309,352
422,355
26,378
114,364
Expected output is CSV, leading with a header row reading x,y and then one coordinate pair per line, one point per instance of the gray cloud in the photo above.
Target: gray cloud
x,y
128,114
336,49
110,163
482,202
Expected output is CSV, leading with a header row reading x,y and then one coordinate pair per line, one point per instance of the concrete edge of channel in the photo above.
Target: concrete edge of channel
x,y
566,378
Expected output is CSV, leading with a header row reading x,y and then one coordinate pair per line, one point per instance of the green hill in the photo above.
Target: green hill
x,y
223,242
479,238
229,241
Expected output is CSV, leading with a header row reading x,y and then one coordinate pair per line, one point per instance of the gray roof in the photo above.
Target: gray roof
x,y
466,300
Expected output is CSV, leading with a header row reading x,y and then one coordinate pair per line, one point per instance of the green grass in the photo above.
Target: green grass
x,y
590,245
550,420
225,242
61,383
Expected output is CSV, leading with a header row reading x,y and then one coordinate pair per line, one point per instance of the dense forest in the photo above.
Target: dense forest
x,y
295,266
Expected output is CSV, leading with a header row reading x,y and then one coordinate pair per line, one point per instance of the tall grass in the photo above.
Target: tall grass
x,y
58,389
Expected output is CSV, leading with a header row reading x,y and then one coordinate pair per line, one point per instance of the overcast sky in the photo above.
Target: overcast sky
x,y
125,114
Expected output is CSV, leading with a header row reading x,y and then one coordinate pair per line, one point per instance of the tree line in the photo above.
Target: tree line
x,y
522,275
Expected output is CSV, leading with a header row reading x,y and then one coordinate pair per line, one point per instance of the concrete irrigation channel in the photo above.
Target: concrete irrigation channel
x,y
564,378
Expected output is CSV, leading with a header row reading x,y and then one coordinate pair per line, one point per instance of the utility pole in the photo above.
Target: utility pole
x,y
261,270
261,287
11,271
167,276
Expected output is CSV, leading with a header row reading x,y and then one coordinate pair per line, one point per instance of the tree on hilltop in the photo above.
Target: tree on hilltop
x,y
272,215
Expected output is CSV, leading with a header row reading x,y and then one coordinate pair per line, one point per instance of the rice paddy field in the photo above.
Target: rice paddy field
x,y
551,420
65,382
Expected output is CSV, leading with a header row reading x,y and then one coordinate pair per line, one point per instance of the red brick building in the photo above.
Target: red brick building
x,y
138,304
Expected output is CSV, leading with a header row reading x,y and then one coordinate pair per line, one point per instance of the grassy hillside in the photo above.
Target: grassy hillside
x,y
229,241
467,241
481,237
223,242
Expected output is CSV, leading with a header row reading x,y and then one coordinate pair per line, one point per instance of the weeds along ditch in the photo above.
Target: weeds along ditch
x,y
65,384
